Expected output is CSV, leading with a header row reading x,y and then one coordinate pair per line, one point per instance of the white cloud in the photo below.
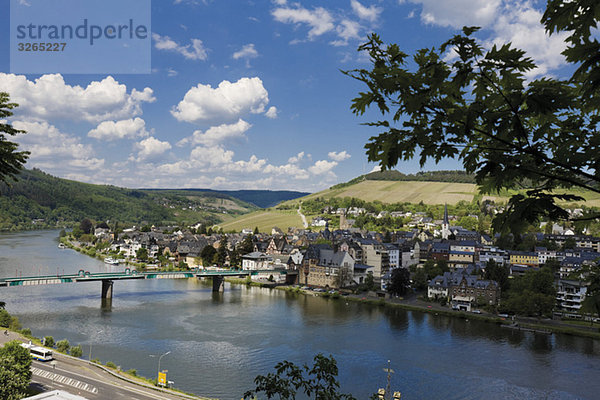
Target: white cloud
x,y
248,51
297,158
193,51
151,149
228,102
113,130
520,24
55,151
370,14
458,13
346,30
376,168
341,156
49,98
217,134
171,72
271,112
216,156
322,166
319,20
502,21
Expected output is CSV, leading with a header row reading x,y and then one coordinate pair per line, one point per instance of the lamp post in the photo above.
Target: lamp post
x,y
159,358
90,356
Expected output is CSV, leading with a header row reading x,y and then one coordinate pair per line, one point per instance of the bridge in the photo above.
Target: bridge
x,y
108,278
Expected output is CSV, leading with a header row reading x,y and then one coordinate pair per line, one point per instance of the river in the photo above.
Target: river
x,y
218,343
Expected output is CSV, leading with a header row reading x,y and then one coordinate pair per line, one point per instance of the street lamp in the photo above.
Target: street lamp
x,y
97,333
159,358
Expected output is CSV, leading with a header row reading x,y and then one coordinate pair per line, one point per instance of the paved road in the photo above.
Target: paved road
x,y
88,380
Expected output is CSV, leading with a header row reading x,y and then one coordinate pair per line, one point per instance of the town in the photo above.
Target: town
x,y
456,267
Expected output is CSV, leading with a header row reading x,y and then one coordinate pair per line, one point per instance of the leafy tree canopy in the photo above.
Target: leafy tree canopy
x,y
480,108
11,160
15,371
400,282
316,382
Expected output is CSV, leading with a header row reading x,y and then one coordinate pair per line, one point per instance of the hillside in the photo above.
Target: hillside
x,y
260,198
39,200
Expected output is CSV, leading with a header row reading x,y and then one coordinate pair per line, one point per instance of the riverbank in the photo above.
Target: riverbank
x,y
413,304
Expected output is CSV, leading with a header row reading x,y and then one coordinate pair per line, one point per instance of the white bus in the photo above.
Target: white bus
x,y
38,353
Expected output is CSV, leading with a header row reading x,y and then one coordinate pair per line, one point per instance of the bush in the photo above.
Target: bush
x,y
63,346
26,332
49,341
76,351
5,318
111,364
132,372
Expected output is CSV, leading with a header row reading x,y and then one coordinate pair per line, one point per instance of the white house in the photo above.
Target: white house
x,y
256,260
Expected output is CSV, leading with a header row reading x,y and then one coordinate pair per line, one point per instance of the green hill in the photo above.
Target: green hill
x,y
39,200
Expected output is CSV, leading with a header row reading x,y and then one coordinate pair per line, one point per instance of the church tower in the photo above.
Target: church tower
x,y
445,224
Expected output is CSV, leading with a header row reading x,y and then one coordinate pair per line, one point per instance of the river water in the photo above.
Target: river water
x,y
218,343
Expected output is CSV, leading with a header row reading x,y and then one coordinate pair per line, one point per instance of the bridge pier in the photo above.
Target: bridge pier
x,y
218,284
107,289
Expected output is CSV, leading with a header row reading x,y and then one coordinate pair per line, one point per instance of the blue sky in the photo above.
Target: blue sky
x,y
244,94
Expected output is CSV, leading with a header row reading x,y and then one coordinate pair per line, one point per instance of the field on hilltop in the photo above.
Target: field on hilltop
x,y
264,220
403,191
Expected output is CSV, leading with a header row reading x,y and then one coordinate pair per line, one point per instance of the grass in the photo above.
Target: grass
x,y
404,191
264,220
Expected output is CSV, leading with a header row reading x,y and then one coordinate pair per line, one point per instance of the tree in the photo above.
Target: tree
x,y
370,281
343,277
420,279
591,303
256,231
76,351
222,252
208,254
247,245
497,272
142,254
15,371
63,346
11,160
539,135
86,226
49,341
399,282
319,381
532,294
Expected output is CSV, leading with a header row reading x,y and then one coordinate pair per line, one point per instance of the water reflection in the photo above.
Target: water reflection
x,y
244,331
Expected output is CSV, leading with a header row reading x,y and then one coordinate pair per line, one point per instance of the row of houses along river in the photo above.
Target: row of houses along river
x,y
218,342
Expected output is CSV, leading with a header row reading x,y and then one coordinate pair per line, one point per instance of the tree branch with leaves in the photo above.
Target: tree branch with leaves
x,y
11,160
479,106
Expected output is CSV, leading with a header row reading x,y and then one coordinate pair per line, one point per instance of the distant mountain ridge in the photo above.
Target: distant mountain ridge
x,y
260,198
425,176
39,200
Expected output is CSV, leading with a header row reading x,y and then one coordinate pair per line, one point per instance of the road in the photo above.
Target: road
x,y
302,216
85,379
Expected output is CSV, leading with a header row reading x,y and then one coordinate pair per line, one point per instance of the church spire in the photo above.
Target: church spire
x,y
446,214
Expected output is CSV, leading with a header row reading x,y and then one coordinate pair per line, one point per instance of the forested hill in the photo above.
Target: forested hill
x,y
428,176
39,200
260,198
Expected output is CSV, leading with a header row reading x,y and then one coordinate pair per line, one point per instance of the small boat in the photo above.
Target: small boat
x,y
111,261
61,246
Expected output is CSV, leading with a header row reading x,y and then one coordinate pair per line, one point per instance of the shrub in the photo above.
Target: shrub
x,y
63,346
49,341
5,318
132,372
26,332
111,364
76,351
